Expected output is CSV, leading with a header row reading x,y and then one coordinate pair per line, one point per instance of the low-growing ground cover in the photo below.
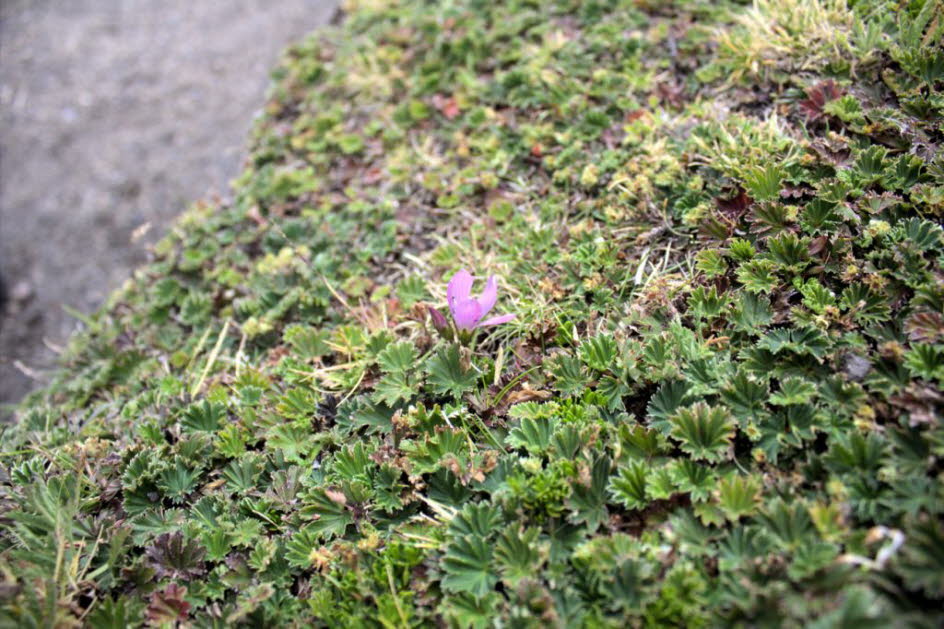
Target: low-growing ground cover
x,y
718,403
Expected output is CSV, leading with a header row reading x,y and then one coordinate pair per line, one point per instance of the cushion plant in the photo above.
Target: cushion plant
x,y
718,402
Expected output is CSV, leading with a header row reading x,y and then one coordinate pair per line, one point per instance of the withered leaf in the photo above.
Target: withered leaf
x,y
925,326
168,606
336,496
173,556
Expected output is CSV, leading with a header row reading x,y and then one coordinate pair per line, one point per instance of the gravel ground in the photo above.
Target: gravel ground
x,y
114,115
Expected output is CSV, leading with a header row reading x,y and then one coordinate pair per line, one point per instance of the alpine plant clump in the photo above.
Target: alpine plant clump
x,y
715,398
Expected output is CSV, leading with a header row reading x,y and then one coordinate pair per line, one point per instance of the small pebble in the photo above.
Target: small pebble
x,y
21,292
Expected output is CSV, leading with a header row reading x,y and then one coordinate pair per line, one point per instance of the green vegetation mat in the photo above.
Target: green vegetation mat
x,y
719,402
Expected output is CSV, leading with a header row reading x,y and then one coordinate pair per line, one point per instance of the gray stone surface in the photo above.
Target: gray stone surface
x,y
115,114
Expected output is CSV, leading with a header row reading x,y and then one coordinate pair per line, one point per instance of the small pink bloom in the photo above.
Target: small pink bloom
x,y
439,319
468,311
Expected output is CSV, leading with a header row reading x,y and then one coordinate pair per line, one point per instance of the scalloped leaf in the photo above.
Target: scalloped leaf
x,y
447,375
705,432
205,416
329,511
738,495
534,435
628,487
468,566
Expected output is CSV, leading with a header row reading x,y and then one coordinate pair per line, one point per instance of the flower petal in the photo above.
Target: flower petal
x,y
459,287
505,318
489,296
439,320
466,313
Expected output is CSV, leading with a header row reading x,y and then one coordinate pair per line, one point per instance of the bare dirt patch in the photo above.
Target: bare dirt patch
x,y
115,114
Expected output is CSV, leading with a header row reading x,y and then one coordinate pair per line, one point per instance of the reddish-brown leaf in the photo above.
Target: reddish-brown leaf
x,y
925,326
817,97
168,606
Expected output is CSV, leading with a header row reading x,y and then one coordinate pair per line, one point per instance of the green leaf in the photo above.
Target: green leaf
x,y
816,297
861,608
156,522
351,463
660,484
178,481
204,417
741,249
793,391
567,441
752,313
517,553
789,251
308,342
926,361
802,341
706,376
294,441
196,309
789,524
744,395
569,376
711,263
866,306
115,613
856,453
738,495
922,234
846,108
397,358
436,451
396,387
360,413
329,511
742,544
534,435
820,216
231,441
758,276
467,564
600,352
695,536
694,478
246,533
629,585
447,376
387,489
241,474
587,499
763,182
476,519
217,544
665,402
145,466
707,303
641,442
628,487
301,546
869,167
410,290
465,610
922,558
811,557
703,431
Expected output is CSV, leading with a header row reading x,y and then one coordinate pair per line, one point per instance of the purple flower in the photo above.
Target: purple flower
x,y
467,311
439,320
